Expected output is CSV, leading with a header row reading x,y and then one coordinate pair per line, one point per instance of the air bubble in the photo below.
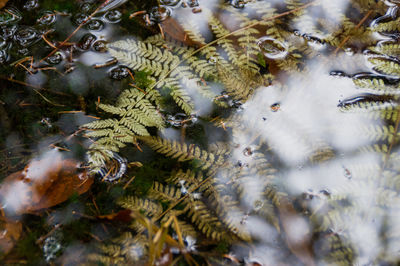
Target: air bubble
x,y
192,3
159,14
275,107
113,16
86,7
247,151
272,49
31,4
4,57
119,73
48,18
52,246
237,3
54,59
10,15
170,2
86,41
7,32
178,120
100,46
95,25
26,36
338,73
79,18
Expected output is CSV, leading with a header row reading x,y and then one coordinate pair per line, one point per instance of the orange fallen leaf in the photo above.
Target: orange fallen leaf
x,y
43,184
3,3
10,232
298,238
123,216
173,29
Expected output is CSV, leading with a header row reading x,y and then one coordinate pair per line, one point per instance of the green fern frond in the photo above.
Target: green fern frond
x,y
386,66
148,207
181,152
390,26
164,193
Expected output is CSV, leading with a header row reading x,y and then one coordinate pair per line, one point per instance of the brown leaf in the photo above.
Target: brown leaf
x,y
123,216
298,238
3,3
175,30
43,184
10,232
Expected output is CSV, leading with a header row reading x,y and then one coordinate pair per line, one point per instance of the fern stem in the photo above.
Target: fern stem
x,y
233,33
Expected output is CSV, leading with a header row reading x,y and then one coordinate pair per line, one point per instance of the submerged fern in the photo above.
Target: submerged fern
x,y
213,191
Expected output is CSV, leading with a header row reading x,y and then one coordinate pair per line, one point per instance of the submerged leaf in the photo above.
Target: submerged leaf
x,y
43,184
9,235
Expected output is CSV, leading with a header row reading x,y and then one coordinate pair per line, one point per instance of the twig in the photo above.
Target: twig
x,y
357,27
35,89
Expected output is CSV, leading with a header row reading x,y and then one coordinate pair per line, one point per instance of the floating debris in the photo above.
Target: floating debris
x,y
272,48
119,72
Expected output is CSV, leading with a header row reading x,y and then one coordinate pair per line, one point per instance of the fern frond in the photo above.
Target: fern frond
x,y
164,193
386,66
148,207
181,152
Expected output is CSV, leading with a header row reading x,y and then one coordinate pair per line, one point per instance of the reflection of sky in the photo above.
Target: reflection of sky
x,y
308,120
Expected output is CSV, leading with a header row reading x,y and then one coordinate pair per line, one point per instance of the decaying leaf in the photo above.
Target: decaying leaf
x,y
298,237
122,216
3,3
43,183
174,29
10,232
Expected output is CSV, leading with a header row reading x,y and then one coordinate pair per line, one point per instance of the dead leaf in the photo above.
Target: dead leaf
x,y
298,238
122,216
10,232
174,29
3,3
43,184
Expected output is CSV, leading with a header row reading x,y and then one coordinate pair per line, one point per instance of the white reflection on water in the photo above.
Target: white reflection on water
x,y
17,193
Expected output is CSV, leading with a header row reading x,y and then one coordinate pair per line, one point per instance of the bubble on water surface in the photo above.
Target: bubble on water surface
x,y
48,18
79,18
95,25
159,14
7,32
170,2
100,46
31,4
54,59
237,3
275,107
10,15
86,41
272,48
119,73
192,3
113,16
26,36
4,56
52,245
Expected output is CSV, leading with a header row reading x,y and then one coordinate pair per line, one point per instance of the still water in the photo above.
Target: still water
x,y
204,132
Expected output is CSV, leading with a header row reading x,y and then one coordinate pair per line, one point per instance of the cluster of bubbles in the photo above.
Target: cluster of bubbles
x,y
180,119
52,246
